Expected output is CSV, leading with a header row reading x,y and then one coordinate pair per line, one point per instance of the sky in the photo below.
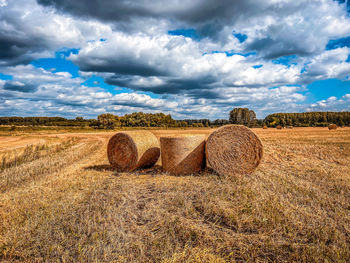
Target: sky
x,y
189,58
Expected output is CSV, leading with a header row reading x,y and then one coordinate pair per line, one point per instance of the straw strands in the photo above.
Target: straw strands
x,y
182,154
233,149
131,150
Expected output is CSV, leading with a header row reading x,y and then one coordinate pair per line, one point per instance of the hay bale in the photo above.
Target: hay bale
x,y
265,127
332,127
233,149
131,150
279,127
182,154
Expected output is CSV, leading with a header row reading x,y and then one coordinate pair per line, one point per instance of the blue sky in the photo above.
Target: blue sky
x,y
195,59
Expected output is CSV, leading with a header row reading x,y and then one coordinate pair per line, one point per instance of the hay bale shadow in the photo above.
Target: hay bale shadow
x,y
154,170
186,163
149,158
183,155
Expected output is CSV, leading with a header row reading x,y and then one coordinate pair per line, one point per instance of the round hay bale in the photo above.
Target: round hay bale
x,y
265,127
332,127
131,150
182,154
233,150
279,127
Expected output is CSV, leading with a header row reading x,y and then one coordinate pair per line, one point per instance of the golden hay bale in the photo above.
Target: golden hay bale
x,y
279,127
332,127
182,154
233,149
265,127
131,150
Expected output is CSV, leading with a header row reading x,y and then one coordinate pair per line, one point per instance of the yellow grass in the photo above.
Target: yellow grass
x,y
66,204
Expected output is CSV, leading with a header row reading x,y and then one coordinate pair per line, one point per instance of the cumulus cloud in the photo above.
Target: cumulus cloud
x,y
57,93
332,104
28,31
19,86
237,57
175,64
274,28
44,91
329,64
301,28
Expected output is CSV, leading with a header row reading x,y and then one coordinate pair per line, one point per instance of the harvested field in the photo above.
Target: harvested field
x,y
66,204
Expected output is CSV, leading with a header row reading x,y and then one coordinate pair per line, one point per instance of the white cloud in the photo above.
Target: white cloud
x,y
30,31
332,104
133,49
151,63
329,64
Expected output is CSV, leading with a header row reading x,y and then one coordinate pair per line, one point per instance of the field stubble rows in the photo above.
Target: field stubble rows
x,y
66,204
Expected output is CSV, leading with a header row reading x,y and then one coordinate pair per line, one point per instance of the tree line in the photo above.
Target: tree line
x,y
308,119
242,116
44,121
140,119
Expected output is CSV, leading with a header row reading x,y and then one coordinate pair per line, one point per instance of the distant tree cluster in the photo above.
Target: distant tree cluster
x,y
43,121
111,121
243,116
308,119
196,123
136,119
140,119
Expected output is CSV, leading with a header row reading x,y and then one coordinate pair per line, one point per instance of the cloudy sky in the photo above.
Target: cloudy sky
x,y
190,58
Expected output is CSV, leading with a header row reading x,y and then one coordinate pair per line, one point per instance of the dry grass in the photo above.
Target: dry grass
x,y
70,206
31,152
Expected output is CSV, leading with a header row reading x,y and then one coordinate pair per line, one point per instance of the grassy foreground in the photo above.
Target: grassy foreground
x,y
61,202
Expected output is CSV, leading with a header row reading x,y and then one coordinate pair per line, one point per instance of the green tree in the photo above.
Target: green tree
x,y
305,119
243,116
108,120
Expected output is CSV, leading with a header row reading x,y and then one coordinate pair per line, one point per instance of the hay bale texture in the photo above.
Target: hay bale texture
x,y
182,154
233,150
131,150
332,127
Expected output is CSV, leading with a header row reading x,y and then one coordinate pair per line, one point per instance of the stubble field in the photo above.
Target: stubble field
x,y
61,202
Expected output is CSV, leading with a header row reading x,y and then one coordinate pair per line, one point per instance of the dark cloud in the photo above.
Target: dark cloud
x,y
191,11
136,104
20,41
206,94
15,86
17,47
211,19
103,10
124,66
208,17
140,44
270,48
196,86
11,48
